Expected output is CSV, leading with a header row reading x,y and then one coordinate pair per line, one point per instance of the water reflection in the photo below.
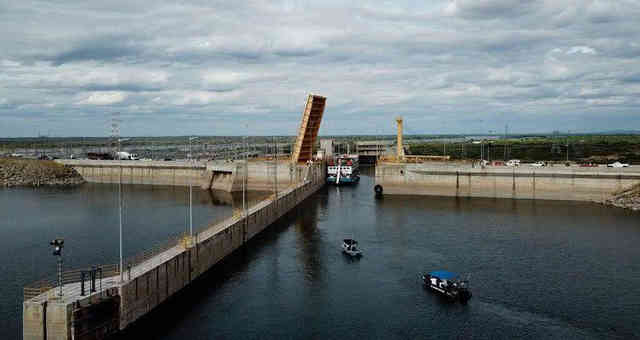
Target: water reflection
x,y
234,199
309,238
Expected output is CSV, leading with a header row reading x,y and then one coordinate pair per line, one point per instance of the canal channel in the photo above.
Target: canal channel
x,y
538,269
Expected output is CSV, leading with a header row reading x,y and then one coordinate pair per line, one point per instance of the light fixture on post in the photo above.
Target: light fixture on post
x,y
57,245
190,140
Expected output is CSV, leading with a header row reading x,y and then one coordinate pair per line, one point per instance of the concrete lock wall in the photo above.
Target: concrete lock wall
x,y
47,320
144,292
517,183
33,320
150,283
219,175
139,172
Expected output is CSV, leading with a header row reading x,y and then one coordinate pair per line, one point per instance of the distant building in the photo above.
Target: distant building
x,y
374,148
479,138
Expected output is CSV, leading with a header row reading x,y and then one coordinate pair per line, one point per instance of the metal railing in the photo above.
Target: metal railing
x,y
37,288
161,247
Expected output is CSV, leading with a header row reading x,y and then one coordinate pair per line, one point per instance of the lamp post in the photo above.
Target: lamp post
x,y
246,170
120,140
57,245
190,140
568,133
190,210
191,193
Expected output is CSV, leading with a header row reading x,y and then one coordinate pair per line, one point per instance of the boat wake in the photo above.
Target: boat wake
x,y
553,327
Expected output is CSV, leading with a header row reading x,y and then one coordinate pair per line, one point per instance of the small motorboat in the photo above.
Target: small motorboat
x,y
350,247
448,284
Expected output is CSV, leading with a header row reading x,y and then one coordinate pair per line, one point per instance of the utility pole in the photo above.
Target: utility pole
x,y
244,176
506,126
115,133
191,139
120,206
190,210
275,168
489,147
568,132
120,212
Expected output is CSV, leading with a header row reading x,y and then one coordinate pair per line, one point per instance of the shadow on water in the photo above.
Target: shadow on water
x,y
191,303
87,218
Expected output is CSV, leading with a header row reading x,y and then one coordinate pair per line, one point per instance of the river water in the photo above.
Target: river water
x,y
538,269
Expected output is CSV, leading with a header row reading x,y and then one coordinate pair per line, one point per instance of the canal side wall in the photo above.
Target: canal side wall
x,y
219,175
152,282
516,183
146,291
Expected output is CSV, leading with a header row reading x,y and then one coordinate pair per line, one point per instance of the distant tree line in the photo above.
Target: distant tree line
x,y
551,150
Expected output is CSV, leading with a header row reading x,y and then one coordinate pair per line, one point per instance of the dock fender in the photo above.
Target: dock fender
x,y
378,189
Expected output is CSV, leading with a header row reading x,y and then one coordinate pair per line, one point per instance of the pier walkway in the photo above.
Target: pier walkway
x,y
147,283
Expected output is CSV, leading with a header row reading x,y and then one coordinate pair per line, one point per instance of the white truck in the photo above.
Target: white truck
x,y
618,165
123,155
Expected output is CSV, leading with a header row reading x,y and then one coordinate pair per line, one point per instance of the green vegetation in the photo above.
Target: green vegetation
x,y
596,149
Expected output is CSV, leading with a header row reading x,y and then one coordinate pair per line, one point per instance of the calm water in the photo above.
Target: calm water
x,y
538,269
87,218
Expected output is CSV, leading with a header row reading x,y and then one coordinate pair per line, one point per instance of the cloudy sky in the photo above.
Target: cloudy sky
x,y
215,67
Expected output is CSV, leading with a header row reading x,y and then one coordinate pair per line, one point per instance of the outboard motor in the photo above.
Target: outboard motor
x,y
378,190
463,292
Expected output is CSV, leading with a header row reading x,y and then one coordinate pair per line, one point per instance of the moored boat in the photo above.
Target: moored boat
x,y
448,284
345,170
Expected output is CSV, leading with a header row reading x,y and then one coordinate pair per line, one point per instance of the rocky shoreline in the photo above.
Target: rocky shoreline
x,y
35,173
627,199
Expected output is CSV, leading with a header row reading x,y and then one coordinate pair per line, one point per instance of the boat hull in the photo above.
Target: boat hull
x,y
352,253
343,180
462,295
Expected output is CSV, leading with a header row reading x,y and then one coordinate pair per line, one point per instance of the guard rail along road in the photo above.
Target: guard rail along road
x,y
572,183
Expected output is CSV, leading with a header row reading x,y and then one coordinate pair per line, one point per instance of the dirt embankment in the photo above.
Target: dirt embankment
x,y
628,198
31,172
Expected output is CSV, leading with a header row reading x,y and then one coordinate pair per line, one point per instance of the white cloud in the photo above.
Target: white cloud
x,y
372,60
581,49
104,98
199,98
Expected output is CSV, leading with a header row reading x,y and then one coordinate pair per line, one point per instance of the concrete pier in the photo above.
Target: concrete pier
x,y
217,175
147,284
524,182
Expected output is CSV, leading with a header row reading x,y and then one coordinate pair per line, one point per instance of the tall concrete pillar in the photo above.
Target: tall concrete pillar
x,y
400,148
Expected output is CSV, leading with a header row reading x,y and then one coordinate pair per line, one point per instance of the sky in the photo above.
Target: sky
x,y
245,67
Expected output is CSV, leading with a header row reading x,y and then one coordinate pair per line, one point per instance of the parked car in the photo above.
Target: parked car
x,y
539,164
618,165
513,162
